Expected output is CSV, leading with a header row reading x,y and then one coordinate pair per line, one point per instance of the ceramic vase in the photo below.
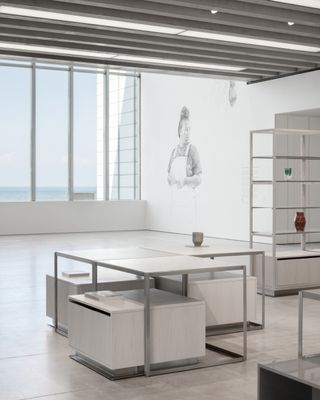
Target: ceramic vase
x,y
197,238
288,173
300,221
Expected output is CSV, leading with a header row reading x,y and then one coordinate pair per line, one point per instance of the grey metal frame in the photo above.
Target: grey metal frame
x,y
263,268
304,294
71,69
233,357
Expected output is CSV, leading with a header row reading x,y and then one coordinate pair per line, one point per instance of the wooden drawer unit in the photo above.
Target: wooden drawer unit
x,y
111,332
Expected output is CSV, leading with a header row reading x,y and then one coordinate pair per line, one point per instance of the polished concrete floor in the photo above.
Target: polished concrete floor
x,y
34,360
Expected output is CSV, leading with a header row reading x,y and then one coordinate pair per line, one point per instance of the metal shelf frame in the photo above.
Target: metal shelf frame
x,y
304,158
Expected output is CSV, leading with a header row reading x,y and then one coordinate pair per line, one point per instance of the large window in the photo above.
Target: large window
x,y
52,135
15,120
123,137
85,136
68,133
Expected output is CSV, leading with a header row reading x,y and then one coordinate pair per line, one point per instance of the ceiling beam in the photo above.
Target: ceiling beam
x,y
134,66
161,50
173,41
261,69
101,12
196,14
258,9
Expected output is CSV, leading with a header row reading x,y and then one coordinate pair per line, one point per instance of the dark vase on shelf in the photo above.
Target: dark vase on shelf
x,y
300,221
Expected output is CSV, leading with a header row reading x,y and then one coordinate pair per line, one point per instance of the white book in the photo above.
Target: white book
x,y
103,295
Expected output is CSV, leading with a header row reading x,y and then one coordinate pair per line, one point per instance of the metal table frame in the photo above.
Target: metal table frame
x,y
251,253
234,357
304,294
211,253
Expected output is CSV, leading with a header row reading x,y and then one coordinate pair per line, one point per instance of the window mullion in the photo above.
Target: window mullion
x,y
106,133
33,134
70,134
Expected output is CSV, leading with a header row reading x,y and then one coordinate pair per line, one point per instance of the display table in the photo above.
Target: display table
x,y
91,256
182,265
161,266
108,334
212,251
293,380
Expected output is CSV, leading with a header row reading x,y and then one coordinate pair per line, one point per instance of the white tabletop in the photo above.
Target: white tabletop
x,y
204,250
133,300
169,265
104,275
94,255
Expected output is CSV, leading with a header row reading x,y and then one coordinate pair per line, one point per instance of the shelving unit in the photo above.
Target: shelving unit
x,y
298,269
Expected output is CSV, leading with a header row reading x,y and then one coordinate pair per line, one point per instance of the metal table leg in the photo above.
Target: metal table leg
x,y
146,325
245,324
56,292
300,325
263,262
94,276
184,288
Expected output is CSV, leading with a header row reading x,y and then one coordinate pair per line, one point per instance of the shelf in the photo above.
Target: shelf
x,y
284,181
268,234
288,131
288,208
286,158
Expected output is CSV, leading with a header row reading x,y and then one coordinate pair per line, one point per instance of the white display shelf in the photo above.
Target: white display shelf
x,y
295,272
269,234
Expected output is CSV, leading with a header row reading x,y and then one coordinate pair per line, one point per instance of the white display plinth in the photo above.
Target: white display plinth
x,y
111,332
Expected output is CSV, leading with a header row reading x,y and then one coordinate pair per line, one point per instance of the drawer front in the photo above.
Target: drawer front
x,y
90,333
298,272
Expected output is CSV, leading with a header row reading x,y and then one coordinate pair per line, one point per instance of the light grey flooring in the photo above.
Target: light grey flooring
x,y
35,363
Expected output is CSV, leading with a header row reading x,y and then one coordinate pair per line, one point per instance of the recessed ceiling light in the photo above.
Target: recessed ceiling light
x,y
303,3
246,40
56,50
214,11
290,23
112,23
179,63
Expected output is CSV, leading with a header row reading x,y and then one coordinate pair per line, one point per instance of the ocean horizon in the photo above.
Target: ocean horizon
x,y
49,193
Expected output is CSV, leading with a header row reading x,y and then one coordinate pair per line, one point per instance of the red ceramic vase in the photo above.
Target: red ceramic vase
x,y
300,221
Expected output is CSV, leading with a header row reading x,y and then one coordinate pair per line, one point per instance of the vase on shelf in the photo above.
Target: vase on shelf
x,y
300,221
288,173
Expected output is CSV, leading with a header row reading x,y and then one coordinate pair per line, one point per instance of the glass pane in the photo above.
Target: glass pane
x,y
85,136
15,128
52,135
123,149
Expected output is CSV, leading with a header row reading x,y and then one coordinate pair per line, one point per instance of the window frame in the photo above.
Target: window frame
x,y
71,68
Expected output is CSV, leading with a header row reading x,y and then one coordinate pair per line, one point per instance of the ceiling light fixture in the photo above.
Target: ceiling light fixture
x,y
214,11
303,3
247,40
179,63
112,23
55,50
290,23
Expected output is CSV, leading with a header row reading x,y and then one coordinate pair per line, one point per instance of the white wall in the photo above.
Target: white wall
x,y
80,216
221,134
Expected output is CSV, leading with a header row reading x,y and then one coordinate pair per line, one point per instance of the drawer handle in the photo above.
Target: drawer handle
x,y
90,308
